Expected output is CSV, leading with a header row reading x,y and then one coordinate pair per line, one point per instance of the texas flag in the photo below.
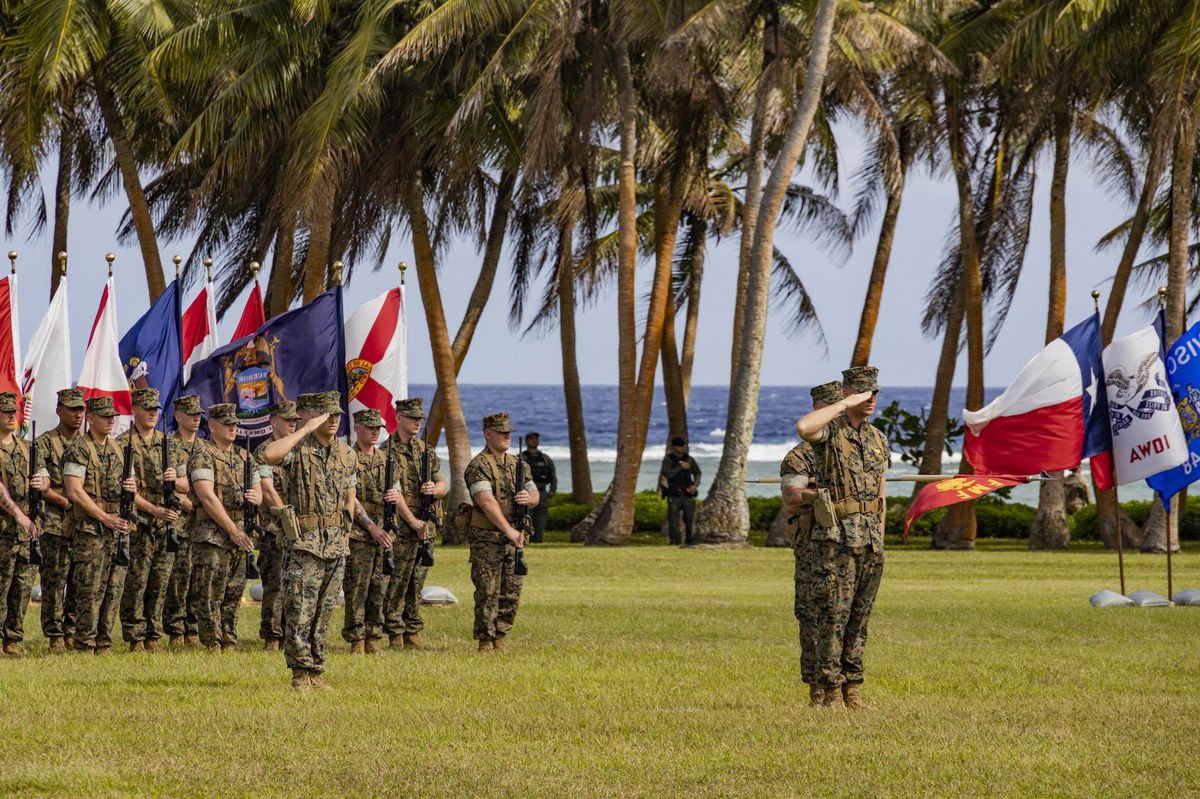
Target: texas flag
x,y
376,371
1052,416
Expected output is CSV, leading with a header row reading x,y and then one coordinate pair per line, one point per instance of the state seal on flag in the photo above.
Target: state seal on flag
x,y
251,382
358,371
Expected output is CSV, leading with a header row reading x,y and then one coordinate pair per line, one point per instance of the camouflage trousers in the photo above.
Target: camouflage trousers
x,y
841,595
179,613
803,611
100,583
270,566
497,588
402,603
365,586
57,611
146,584
218,581
310,590
17,577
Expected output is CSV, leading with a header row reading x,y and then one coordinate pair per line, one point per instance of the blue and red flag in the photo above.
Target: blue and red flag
x,y
298,352
152,351
1052,417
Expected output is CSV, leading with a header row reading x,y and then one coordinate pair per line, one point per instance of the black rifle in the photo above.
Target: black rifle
x,y
428,512
250,513
127,511
171,500
521,519
36,512
389,512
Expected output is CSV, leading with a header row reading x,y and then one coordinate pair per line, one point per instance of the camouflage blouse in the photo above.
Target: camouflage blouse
x,y
51,447
851,464
147,467
226,471
100,466
318,480
14,473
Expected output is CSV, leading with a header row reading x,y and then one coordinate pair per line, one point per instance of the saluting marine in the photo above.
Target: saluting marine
x,y
149,574
273,484
847,539
402,608
365,584
179,613
17,530
798,485
322,473
58,593
491,477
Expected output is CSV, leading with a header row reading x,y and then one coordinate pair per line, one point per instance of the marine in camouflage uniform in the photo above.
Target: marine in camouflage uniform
x,y
321,479
92,465
365,584
179,613
17,574
216,475
57,606
797,477
270,545
150,564
847,556
402,606
491,477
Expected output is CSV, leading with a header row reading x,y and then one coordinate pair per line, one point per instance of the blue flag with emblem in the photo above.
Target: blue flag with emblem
x,y
298,352
152,351
1183,375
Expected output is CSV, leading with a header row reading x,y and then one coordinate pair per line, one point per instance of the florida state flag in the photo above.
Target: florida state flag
x,y
956,489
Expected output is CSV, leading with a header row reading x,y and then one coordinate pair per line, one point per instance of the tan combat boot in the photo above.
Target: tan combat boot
x,y
228,646
213,649
498,643
411,641
137,646
57,646
356,647
271,645
852,696
833,699
485,646
13,649
300,681
190,640
395,642
175,641
103,651
150,645
816,696
371,646
318,682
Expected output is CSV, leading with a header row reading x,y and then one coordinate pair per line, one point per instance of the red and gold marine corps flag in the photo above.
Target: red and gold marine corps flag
x,y
957,489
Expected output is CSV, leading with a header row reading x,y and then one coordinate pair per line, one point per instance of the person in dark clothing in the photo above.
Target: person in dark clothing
x,y
544,476
679,480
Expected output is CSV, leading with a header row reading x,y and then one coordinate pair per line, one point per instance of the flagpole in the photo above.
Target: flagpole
x,y
15,326
404,329
1120,532
1172,514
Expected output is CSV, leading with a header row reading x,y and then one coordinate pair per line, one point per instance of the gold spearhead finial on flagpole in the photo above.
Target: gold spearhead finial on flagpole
x,y
12,261
338,266
1096,300
110,258
62,262
208,268
177,261
1162,296
403,268
254,267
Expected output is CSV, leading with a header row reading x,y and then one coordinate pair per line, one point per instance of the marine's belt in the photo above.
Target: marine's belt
x,y
845,507
202,515
315,521
480,520
107,507
373,509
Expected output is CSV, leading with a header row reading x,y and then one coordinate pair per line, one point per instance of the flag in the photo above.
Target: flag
x,y
199,329
10,358
152,350
48,362
1146,432
1052,416
297,352
1183,373
957,489
252,316
375,370
101,374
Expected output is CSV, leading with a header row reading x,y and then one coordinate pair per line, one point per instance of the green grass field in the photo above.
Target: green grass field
x,y
654,672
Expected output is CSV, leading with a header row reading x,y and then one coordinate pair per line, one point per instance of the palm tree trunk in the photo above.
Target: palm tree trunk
x,y
139,208
493,246
687,354
62,195
939,404
280,286
724,517
672,370
612,520
581,472
457,439
320,232
1050,528
883,254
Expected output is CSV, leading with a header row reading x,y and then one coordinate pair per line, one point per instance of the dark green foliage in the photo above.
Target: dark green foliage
x,y
996,518
763,511
906,432
1084,527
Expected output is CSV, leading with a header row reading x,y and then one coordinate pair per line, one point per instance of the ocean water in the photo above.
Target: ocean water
x,y
541,408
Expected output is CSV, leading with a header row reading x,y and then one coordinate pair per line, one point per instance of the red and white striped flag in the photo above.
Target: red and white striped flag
x,y
48,362
102,375
199,329
376,368
10,352
252,315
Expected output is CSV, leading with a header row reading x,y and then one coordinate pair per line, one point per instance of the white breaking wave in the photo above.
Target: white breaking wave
x,y
759,453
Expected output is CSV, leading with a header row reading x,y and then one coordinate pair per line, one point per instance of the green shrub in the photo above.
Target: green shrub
x,y
565,515
763,511
649,510
999,519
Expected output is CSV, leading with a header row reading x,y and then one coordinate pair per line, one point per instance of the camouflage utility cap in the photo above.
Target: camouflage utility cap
x,y
327,402
189,404
498,422
71,398
828,393
368,417
306,402
146,398
284,410
861,378
223,413
412,408
101,406
8,401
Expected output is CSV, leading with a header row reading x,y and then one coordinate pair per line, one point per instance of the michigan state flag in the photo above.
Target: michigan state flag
x,y
297,352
